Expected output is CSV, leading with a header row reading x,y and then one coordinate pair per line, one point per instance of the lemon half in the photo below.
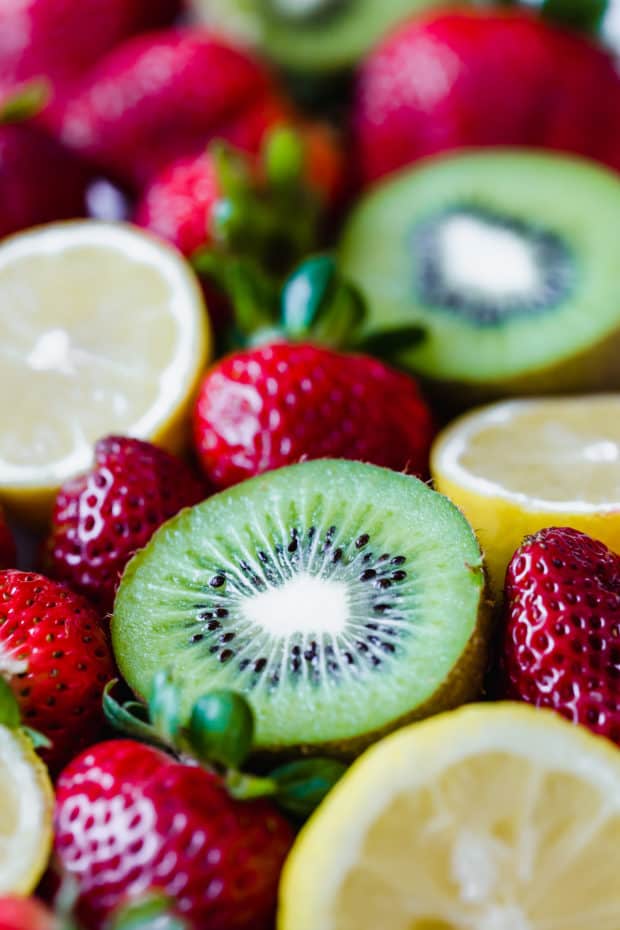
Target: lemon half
x,y
492,817
519,466
102,330
26,807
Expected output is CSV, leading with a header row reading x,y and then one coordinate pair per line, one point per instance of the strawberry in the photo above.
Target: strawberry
x,y
25,914
450,79
158,97
274,405
561,647
61,39
129,819
28,159
8,554
101,518
179,202
55,656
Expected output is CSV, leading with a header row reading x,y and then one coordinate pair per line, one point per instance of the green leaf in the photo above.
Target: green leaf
x,y
165,707
302,785
390,343
249,787
221,728
152,913
9,708
585,15
283,156
25,103
38,740
126,719
317,302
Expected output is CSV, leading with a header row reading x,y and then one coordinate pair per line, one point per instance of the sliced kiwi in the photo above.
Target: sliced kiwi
x,y
342,599
508,258
314,35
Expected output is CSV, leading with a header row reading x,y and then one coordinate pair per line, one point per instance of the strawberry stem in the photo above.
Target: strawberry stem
x,y
27,102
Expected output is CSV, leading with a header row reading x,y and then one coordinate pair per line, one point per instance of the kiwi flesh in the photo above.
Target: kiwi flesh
x,y
507,258
315,35
342,599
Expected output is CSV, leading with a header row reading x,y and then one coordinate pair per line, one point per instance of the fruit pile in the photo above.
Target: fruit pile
x,y
294,633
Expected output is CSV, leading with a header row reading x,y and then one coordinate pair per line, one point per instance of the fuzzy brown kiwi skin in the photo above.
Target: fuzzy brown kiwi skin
x,y
463,685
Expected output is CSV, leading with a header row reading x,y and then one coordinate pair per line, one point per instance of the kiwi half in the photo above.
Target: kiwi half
x,y
342,599
314,35
509,260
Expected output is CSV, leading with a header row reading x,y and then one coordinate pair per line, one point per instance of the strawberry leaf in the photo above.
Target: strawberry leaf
x,y
25,103
221,728
38,740
152,913
165,707
302,785
126,719
585,15
9,709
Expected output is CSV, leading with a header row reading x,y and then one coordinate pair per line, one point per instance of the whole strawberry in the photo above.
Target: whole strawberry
x,y
25,914
61,39
277,404
561,646
180,201
468,77
55,656
28,159
129,820
101,518
8,554
159,97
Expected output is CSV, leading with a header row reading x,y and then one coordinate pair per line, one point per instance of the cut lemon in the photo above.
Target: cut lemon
x,y
26,807
102,330
519,466
492,817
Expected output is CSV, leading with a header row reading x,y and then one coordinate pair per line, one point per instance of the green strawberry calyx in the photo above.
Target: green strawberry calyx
x,y
10,717
219,733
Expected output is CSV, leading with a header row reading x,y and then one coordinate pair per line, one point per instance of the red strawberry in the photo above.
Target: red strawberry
x,y
472,78
100,519
562,640
158,97
61,39
129,820
55,655
274,405
178,203
25,914
8,555
28,162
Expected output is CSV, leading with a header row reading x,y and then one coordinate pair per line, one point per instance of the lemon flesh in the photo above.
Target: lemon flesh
x,y
516,467
492,817
102,330
26,805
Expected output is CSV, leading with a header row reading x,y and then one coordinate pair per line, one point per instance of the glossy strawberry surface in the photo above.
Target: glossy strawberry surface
x,y
130,820
277,404
562,638
100,519
28,160
468,77
55,655
25,914
159,97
